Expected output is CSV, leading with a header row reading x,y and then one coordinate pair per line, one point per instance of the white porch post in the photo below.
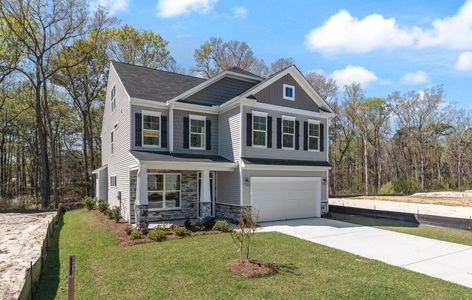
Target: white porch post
x,y
171,128
141,202
205,196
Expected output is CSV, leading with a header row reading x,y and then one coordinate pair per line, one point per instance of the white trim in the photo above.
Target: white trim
x,y
285,168
229,204
147,103
213,192
313,122
188,166
291,119
293,92
171,128
196,108
264,115
289,110
152,114
98,170
285,179
164,191
197,118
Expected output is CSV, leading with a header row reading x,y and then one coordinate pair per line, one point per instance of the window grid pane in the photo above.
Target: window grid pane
x,y
164,191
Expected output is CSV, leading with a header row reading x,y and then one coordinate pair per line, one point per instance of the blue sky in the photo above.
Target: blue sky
x,y
387,46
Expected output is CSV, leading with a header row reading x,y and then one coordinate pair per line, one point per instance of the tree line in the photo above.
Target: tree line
x,y
54,60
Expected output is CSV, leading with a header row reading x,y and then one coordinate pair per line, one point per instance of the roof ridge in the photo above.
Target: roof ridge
x,y
153,69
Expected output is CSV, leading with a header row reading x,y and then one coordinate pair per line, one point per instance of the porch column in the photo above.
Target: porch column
x,y
205,196
141,202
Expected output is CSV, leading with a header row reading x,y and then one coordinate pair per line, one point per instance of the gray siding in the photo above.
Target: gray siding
x,y
179,116
255,173
273,94
275,153
135,109
228,185
220,91
118,163
229,125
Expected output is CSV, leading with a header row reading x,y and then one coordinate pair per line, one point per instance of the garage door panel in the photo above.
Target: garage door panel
x,y
285,198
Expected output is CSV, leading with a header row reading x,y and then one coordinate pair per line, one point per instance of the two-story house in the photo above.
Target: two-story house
x,y
176,146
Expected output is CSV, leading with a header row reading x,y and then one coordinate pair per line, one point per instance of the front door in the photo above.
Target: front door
x,y
212,191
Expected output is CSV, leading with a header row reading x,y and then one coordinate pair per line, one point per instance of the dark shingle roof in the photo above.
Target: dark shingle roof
x,y
284,162
241,71
177,157
151,84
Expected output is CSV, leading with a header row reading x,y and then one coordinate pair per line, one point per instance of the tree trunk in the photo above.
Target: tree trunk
x,y
366,167
43,147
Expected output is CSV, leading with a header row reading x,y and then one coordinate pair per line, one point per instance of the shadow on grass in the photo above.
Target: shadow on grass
x,y
50,276
286,268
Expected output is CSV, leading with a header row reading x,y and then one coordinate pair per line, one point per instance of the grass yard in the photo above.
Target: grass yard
x,y
194,268
439,233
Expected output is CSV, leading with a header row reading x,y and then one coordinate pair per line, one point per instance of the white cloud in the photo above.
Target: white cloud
x,y
240,11
464,61
173,8
453,32
352,74
419,77
344,33
112,6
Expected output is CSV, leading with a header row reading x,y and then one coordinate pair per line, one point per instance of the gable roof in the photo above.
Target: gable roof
x,y
244,72
151,84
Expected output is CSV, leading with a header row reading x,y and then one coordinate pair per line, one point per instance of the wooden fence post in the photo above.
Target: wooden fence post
x,y
70,292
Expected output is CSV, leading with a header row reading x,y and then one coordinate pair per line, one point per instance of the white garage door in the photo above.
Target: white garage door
x,y
279,198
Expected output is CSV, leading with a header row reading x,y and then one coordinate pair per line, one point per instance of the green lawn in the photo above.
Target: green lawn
x,y
194,268
438,233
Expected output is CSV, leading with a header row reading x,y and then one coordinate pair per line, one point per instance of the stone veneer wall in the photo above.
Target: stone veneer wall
x,y
188,197
324,209
229,212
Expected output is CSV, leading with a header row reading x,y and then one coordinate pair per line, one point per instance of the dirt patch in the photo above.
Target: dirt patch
x,y
21,238
252,268
455,201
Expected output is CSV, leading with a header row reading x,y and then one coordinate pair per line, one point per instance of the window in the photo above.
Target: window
x,y
259,129
313,135
288,133
111,142
151,128
113,180
163,191
197,132
289,92
113,99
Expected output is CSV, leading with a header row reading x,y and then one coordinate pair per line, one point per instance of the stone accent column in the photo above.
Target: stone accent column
x,y
205,209
141,215
324,209
141,204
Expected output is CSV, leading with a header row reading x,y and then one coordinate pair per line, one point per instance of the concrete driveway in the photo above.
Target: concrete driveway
x,y
444,260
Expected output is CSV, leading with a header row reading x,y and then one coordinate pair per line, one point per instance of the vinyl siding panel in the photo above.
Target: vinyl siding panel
x,y
139,109
274,152
228,185
229,124
220,91
273,94
119,161
256,173
179,116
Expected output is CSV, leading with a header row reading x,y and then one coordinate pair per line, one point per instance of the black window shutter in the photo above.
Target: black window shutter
x,y
321,137
297,135
186,133
269,132
249,130
279,133
138,129
164,131
208,134
305,136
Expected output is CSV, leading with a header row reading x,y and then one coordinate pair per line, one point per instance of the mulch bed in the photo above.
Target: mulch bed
x,y
252,268
119,231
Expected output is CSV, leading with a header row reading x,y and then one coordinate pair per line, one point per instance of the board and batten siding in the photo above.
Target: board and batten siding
x,y
179,116
229,131
117,163
274,152
220,91
138,109
260,173
273,94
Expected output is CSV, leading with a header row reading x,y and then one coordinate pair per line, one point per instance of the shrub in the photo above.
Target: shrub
x,y
135,234
129,230
188,224
181,231
144,228
157,235
208,222
89,202
114,214
102,206
387,189
108,213
221,225
406,186
165,227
